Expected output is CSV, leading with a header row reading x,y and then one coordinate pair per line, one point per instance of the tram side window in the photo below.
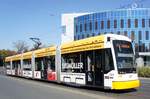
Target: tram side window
x,y
50,61
7,64
16,64
19,64
108,62
73,62
38,64
27,64
89,60
53,63
13,65
98,59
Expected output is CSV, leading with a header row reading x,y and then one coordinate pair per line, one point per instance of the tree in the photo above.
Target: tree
x,y
37,44
4,53
20,46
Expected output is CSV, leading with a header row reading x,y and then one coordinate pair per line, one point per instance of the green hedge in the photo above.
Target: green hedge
x,y
144,71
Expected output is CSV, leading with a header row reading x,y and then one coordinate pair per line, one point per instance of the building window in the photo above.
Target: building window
x,y
78,37
88,35
147,35
85,26
96,25
82,35
129,23
143,23
136,47
140,35
136,23
93,34
142,47
90,26
74,37
149,46
118,32
125,33
108,24
115,23
149,22
76,28
102,24
146,47
122,23
80,27
132,35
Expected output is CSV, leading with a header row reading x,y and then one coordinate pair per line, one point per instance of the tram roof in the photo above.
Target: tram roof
x,y
45,52
7,59
91,43
16,57
27,55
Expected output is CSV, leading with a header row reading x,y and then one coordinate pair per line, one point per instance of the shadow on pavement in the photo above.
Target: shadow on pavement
x,y
100,89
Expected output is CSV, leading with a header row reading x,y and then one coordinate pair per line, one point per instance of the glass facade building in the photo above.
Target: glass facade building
x,y
134,23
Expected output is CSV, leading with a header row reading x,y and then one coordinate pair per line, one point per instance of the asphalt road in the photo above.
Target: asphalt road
x,y
18,88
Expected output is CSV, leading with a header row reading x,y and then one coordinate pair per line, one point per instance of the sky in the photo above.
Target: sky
x,y
23,19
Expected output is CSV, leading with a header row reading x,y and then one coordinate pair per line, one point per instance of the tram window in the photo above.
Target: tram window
x,y
50,62
89,60
27,64
73,62
7,64
53,63
103,59
38,64
108,62
98,58
15,64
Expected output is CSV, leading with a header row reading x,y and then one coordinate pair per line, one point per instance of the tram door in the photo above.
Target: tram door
x,y
44,70
94,74
89,70
98,69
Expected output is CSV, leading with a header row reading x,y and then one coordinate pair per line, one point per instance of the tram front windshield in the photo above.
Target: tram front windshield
x,y
124,56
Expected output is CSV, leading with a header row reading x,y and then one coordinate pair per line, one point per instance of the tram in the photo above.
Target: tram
x,y
105,61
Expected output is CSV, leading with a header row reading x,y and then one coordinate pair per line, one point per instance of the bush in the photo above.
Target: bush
x,y
144,71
